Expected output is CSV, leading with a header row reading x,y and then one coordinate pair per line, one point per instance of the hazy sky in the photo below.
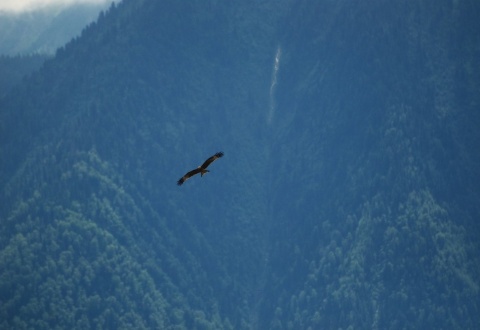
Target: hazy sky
x,y
29,5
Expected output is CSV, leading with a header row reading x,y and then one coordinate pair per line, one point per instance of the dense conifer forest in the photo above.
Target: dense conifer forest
x,y
13,69
348,196
44,25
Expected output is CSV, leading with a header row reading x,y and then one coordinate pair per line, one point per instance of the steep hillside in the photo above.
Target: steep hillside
x,y
376,127
14,69
346,197
43,30
95,143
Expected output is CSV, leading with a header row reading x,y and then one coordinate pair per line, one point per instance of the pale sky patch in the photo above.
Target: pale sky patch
x,y
18,6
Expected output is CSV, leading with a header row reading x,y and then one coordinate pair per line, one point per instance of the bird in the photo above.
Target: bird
x,y
202,169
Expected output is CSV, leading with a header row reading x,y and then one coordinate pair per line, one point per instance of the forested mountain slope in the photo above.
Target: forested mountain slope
x,y
376,126
347,196
13,69
44,28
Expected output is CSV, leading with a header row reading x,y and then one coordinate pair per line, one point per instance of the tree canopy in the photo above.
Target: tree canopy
x,y
347,197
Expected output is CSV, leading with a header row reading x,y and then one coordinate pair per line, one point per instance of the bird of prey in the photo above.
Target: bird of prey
x,y
202,169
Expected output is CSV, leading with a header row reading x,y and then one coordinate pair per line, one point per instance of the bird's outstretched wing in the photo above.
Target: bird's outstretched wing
x,y
211,159
188,176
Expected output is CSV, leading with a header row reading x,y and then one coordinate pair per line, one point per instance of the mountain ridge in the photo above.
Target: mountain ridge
x,y
345,203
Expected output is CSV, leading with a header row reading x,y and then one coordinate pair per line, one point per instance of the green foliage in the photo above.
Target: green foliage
x,y
14,69
354,207
73,273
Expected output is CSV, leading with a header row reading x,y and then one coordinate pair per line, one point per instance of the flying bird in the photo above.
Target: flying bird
x,y
201,169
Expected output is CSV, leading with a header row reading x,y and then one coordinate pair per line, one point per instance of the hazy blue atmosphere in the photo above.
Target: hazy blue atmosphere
x,y
30,36
43,30
347,196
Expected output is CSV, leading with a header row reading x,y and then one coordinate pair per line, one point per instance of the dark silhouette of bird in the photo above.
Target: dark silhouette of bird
x,y
202,169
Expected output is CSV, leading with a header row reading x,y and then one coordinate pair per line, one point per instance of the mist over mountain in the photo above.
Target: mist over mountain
x,y
28,38
348,195
43,30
